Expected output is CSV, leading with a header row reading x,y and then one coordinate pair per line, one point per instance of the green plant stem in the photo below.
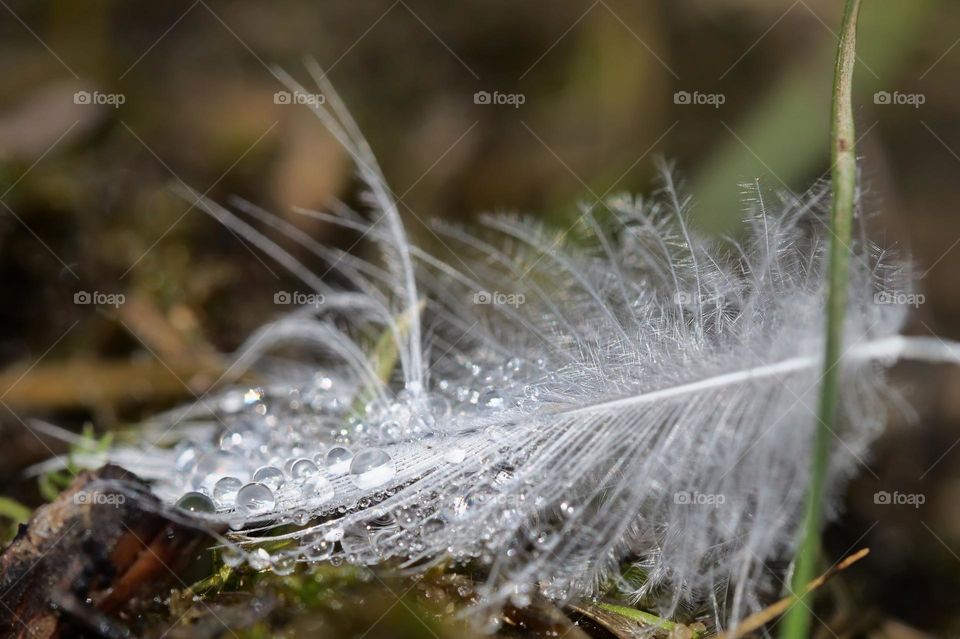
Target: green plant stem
x,y
844,178
647,618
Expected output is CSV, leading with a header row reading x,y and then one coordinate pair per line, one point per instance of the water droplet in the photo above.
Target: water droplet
x,y
338,460
195,502
232,556
372,467
225,490
186,460
316,548
259,559
407,516
252,396
231,441
283,565
455,456
302,468
432,526
490,398
439,405
317,490
269,476
232,402
357,543
255,499
391,429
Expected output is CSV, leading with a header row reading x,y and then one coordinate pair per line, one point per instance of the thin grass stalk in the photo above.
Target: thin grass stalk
x,y
844,177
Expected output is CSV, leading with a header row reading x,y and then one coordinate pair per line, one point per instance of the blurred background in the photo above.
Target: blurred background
x,y
119,299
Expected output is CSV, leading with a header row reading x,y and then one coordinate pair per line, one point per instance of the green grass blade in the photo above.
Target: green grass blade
x,y
844,177
647,618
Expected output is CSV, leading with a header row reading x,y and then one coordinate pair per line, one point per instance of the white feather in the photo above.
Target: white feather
x,y
624,391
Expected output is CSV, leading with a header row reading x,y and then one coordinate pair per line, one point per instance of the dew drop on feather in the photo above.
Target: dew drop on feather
x,y
195,502
255,499
225,490
372,467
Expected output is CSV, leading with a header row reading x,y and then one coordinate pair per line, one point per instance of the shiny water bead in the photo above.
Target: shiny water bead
x,y
438,405
432,526
391,429
186,460
338,460
381,519
231,441
232,556
255,499
357,543
316,548
259,559
455,456
283,565
225,490
490,398
269,476
372,467
232,402
195,502
253,396
407,516
302,468
241,437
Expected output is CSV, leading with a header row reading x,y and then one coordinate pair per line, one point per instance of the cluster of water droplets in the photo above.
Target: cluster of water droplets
x,y
313,455
276,451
